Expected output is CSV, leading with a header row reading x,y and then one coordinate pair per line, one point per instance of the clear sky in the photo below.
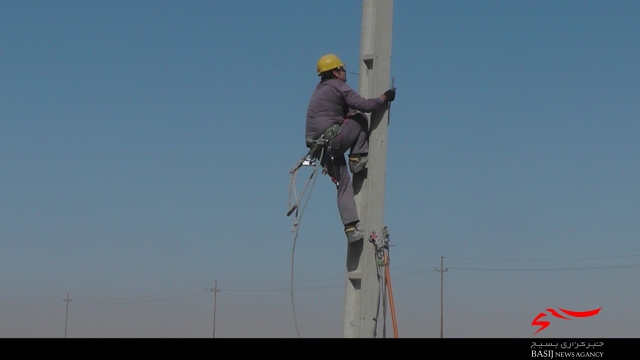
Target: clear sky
x,y
145,149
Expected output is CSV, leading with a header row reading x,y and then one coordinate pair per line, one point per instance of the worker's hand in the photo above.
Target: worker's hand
x,y
390,94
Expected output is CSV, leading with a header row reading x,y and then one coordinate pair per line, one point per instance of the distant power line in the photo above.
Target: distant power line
x,y
36,305
320,284
548,259
161,299
551,269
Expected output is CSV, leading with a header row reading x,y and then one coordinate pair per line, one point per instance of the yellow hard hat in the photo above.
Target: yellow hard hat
x,y
329,62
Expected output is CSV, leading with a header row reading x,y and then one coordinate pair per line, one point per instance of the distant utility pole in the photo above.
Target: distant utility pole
x,y
441,271
362,284
215,291
66,315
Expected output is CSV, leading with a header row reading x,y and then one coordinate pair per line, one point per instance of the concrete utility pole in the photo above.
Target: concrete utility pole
x,y
215,291
362,286
441,271
66,315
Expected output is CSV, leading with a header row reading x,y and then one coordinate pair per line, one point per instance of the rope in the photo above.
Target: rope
x,y
382,255
299,212
387,275
383,291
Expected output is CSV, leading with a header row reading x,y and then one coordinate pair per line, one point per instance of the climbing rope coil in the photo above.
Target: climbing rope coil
x,y
316,151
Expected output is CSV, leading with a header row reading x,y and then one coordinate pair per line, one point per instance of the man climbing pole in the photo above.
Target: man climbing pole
x,y
332,114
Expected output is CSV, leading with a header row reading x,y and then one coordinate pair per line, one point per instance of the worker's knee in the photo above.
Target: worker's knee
x,y
359,118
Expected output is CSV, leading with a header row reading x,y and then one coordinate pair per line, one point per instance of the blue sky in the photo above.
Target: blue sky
x,y
146,147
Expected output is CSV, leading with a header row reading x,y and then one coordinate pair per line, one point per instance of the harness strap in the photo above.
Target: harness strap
x,y
324,140
322,146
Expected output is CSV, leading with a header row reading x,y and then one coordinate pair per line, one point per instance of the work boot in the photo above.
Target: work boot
x,y
353,233
357,162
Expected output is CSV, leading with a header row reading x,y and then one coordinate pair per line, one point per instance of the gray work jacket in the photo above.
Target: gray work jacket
x,y
330,103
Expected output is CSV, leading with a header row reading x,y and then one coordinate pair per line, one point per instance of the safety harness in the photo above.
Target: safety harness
x,y
321,146
318,149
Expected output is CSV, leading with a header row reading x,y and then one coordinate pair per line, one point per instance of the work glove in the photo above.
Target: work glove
x,y
390,94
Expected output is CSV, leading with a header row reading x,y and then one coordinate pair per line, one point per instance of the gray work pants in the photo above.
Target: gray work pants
x,y
354,136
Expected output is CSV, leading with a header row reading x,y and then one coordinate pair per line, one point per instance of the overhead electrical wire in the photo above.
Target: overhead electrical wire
x,y
551,259
189,292
550,269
